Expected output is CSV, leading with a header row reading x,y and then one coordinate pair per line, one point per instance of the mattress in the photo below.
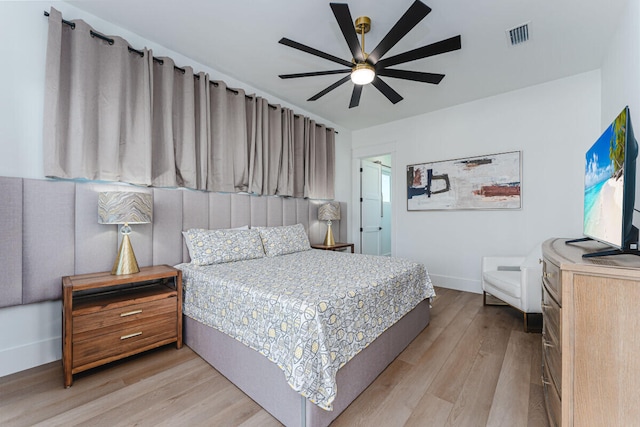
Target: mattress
x,y
309,312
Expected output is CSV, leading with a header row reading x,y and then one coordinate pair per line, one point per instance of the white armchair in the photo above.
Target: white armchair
x,y
517,281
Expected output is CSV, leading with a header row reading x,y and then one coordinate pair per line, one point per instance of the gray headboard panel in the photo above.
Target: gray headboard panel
x,y
49,229
11,241
48,211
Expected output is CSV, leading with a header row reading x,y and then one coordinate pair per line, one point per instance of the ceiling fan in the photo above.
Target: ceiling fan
x,y
367,68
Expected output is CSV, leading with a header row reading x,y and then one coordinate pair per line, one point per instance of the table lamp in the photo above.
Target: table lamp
x,y
329,212
125,207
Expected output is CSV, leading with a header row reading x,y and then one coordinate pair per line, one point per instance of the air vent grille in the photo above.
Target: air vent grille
x,y
518,35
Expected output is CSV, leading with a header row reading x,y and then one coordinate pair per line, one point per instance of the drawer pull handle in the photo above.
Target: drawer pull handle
x,y
130,313
545,382
547,343
546,306
548,275
135,334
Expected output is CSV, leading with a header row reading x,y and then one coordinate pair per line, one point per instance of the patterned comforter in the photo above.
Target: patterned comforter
x,y
309,312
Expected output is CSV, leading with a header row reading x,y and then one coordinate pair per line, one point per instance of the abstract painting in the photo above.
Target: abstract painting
x,y
484,182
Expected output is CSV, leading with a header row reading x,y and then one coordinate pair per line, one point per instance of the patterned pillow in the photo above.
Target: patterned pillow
x,y
217,246
286,239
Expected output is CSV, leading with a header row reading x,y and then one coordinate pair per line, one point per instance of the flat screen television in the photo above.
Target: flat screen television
x,y
609,189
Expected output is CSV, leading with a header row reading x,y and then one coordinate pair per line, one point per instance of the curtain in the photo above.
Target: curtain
x,y
271,148
117,114
228,155
203,130
299,175
286,175
258,134
180,126
97,122
319,155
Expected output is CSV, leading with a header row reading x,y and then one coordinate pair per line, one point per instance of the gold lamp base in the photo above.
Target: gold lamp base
x,y
328,239
126,260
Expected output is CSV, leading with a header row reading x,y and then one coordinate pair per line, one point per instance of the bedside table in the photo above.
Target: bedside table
x,y
107,317
336,247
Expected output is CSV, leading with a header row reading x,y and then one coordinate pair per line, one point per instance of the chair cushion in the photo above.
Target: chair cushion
x,y
506,281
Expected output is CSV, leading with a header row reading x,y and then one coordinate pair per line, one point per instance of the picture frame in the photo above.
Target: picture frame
x,y
491,181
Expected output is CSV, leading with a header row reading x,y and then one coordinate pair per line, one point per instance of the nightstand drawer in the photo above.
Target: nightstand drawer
x,y
128,339
122,315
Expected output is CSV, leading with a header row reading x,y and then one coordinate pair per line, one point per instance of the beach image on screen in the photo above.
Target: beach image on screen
x,y
603,183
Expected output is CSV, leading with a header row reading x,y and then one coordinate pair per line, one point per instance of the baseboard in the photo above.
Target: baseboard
x,y
34,354
457,283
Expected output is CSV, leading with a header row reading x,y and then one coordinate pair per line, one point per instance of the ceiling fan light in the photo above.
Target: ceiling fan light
x,y
363,73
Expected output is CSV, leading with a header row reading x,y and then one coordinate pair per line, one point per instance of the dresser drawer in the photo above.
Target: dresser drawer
x,y
551,279
552,357
552,315
551,399
93,322
124,340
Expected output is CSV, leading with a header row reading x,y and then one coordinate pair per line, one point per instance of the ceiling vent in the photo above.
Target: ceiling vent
x,y
518,35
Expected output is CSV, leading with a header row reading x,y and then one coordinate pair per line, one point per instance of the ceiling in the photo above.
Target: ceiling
x,y
240,38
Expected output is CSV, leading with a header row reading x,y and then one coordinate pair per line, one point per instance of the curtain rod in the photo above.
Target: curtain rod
x,y
161,62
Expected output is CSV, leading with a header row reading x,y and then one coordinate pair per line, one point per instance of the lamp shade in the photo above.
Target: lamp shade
x,y
329,212
363,74
122,207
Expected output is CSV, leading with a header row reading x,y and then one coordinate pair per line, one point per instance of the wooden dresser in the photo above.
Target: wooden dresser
x,y
107,317
591,336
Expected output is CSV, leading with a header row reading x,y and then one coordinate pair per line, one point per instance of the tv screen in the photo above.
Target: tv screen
x,y
609,187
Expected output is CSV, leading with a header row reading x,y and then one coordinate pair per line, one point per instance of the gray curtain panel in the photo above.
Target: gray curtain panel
x,y
319,155
257,125
97,122
228,153
286,176
203,129
174,126
299,149
115,115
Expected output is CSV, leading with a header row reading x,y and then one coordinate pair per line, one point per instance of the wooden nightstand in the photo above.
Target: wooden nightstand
x,y
107,317
336,247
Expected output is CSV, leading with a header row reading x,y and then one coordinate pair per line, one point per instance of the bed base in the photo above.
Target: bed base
x,y
264,382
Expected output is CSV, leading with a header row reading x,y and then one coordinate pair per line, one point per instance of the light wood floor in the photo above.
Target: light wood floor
x,y
472,366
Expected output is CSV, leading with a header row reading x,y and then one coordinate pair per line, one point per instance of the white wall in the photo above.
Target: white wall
x,y
31,335
621,78
552,124
621,70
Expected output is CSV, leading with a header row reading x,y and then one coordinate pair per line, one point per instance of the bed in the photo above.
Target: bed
x,y
301,331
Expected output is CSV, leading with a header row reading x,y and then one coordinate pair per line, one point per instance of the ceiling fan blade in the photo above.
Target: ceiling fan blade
x,y
355,96
417,76
313,73
287,42
330,88
386,90
343,16
437,48
416,13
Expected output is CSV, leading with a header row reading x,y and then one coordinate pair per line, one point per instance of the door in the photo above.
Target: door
x,y
385,237
370,208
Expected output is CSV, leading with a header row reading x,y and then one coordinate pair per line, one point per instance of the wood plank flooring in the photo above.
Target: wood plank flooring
x,y
472,366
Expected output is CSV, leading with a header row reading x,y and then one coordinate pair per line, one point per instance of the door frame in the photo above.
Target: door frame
x,y
362,153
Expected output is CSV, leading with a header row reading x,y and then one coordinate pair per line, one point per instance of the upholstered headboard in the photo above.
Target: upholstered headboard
x,y
49,229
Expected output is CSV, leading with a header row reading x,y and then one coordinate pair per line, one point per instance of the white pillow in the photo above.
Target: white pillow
x,y
225,245
283,240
